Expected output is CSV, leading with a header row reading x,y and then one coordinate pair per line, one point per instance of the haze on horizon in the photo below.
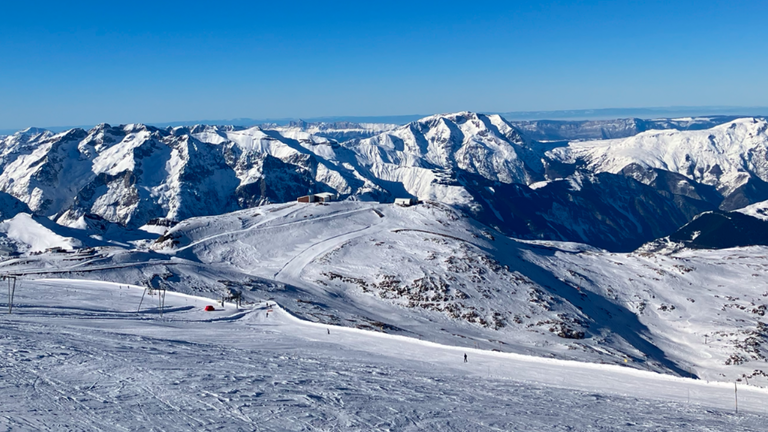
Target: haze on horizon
x,y
92,62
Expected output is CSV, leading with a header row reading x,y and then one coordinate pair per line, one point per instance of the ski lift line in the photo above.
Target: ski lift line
x,y
127,285
161,300
11,291
142,299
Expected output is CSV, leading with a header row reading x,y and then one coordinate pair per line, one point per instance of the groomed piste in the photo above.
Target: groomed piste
x,y
79,355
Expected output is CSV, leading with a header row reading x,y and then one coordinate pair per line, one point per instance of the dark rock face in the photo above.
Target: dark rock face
x,y
10,206
689,197
753,191
284,182
719,230
605,210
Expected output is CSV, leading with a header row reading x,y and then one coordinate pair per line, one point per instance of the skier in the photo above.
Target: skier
x,y
465,357
329,331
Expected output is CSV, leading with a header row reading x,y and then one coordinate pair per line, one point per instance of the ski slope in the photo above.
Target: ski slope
x,y
429,272
77,355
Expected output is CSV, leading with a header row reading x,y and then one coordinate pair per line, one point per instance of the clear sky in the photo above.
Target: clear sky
x,y
86,62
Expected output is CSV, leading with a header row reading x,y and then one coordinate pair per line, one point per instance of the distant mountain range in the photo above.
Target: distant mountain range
x,y
644,113
616,194
569,116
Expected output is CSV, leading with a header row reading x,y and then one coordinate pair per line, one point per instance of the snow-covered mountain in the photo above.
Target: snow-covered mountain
x,y
732,157
211,210
483,165
714,230
134,173
477,144
337,131
615,194
565,130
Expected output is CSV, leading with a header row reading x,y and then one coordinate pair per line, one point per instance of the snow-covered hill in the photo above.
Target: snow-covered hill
x,y
470,280
429,271
758,210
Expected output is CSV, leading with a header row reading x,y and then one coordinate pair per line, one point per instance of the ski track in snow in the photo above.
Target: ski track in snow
x,y
292,269
76,355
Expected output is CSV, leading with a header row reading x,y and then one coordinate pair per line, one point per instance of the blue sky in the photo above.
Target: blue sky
x,y
83,62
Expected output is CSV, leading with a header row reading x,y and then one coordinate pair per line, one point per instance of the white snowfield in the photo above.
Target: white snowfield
x,y
757,210
79,355
33,237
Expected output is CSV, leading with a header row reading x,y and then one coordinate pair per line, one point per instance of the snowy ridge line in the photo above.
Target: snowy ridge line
x,y
260,226
76,269
533,359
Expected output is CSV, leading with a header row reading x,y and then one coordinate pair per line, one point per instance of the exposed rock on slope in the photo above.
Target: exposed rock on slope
x,y
431,271
134,173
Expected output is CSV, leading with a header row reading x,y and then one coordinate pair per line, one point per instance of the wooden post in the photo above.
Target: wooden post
x,y
736,395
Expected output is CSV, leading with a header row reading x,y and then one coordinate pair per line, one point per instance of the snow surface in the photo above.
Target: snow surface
x,y
757,210
77,355
32,236
430,258
428,271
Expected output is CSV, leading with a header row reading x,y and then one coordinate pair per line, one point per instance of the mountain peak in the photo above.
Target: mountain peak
x,y
31,131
